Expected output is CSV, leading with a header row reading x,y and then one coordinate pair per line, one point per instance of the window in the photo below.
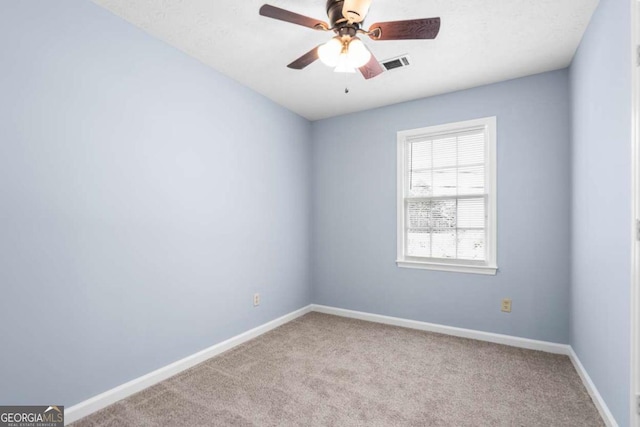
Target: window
x,y
447,197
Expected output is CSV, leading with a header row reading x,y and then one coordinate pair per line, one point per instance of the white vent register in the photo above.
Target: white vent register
x,y
396,63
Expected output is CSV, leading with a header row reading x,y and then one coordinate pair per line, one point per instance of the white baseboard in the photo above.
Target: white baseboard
x,y
606,415
109,397
509,340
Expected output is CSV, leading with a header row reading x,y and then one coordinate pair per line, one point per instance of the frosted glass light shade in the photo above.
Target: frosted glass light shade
x,y
345,64
359,55
329,52
344,57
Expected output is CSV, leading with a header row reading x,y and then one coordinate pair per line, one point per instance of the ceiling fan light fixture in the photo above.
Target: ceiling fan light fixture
x,y
346,52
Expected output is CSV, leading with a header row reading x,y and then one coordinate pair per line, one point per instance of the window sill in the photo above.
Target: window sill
x,y
457,268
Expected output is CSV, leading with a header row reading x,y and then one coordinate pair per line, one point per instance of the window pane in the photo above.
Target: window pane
x,y
471,148
418,243
471,245
471,213
420,184
419,214
471,180
445,182
444,243
443,214
445,152
420,155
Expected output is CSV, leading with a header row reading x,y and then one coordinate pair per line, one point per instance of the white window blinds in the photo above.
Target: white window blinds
x,y
445,196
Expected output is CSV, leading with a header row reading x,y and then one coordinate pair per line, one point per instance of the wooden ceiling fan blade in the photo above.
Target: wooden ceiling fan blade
x,y
294,18
305,60
412,29
371,69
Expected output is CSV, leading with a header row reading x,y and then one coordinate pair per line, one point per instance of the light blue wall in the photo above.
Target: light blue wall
x,y
144,198
601,105
354,213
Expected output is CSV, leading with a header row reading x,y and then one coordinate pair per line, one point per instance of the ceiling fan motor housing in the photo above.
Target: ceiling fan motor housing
x,y
356,10
340,24
334,12
353,11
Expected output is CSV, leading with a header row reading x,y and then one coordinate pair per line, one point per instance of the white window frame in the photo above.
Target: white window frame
x,y
489,266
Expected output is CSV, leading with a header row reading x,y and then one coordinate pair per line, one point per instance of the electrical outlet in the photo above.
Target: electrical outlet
x,y
256,300
506,305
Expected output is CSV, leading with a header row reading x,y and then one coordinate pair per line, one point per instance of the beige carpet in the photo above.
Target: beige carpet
x,y
322,370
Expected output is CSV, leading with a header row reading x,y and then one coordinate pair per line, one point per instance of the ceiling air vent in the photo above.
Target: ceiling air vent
x,y
395,63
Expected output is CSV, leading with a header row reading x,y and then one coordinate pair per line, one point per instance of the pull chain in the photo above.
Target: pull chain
x,y
346,86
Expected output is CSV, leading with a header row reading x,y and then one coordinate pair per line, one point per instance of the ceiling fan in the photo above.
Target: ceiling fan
x,y
345,51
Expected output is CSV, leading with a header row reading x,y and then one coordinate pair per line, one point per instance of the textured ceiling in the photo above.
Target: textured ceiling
x,y
480,42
